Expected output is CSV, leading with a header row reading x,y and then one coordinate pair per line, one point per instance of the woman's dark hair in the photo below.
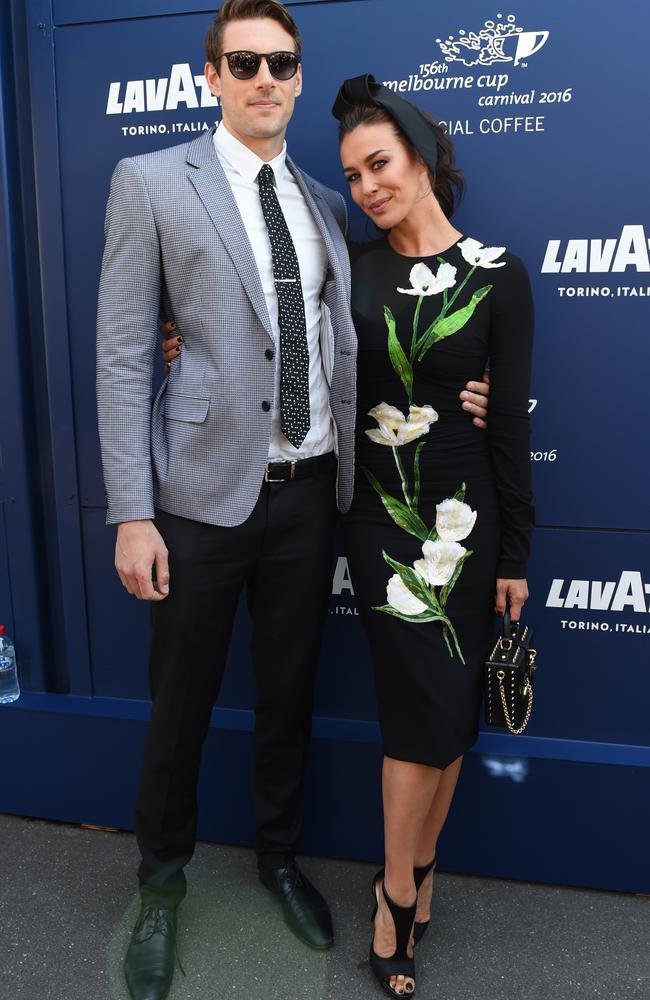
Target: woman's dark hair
x,y
447,182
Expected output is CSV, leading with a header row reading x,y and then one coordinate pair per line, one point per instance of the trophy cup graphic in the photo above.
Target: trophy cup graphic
x,y
528,43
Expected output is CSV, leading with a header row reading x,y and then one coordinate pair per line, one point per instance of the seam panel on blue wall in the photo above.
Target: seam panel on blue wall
x,y
351,730
73,636
76,11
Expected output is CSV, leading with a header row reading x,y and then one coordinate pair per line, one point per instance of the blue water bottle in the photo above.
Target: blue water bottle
x,y
9,687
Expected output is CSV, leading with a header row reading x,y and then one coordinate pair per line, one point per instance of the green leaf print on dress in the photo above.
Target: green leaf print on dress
x,y
419,593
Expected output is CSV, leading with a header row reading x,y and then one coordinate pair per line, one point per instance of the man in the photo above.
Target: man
x,y
231,480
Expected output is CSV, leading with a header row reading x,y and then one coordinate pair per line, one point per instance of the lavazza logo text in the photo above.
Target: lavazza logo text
x,y
624,255
183,88
629,595
342,588
488,63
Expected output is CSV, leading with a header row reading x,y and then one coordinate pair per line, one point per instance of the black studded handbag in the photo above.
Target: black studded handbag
x,y
509,673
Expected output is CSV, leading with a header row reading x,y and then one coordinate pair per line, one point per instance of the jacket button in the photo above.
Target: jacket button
x,y
266,406
269,353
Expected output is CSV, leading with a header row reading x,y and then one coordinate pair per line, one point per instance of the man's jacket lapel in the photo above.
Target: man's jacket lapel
x,y
336,252
207,176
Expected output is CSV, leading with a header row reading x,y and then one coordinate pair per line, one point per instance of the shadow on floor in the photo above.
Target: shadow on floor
x,y
67,906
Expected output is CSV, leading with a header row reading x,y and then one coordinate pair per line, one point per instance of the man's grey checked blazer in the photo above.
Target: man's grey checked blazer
x,y
176,247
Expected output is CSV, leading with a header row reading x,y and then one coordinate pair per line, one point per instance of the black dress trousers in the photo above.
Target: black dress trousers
x,y
282,554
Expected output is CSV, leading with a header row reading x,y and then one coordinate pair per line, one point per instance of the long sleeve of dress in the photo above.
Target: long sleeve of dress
x,y
511,342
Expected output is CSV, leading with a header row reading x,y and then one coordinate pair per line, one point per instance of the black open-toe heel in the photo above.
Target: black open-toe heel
x,y
419,875
399,963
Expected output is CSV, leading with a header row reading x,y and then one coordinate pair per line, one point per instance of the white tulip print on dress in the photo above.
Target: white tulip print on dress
x,y
479,256
401,599
454,520
423,281
439,563
395,428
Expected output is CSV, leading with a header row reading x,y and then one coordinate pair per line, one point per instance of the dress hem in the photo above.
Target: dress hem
x,y
417,758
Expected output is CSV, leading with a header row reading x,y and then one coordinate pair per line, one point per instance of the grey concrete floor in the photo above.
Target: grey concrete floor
x,y
67,906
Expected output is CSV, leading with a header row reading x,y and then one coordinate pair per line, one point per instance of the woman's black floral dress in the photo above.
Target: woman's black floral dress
x,y
473,306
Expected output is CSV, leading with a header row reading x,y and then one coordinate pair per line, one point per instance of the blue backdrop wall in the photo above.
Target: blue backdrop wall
x,y
548,118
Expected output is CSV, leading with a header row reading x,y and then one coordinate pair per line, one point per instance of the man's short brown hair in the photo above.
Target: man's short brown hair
x,y
242,10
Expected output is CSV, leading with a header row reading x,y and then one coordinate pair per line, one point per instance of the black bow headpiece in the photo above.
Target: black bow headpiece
x,y
365,90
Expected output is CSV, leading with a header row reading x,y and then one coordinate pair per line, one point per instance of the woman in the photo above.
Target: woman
x,y
431,306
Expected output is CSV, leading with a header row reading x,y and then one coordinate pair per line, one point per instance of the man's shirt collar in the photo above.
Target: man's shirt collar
x,y
244,160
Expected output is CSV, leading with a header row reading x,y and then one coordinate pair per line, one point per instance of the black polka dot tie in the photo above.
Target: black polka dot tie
x,y
294,353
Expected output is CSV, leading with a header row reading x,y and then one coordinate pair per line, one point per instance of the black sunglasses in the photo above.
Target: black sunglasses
x,y
244,65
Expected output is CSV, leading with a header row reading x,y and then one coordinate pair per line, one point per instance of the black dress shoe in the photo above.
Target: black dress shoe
x,y
305,911
149,963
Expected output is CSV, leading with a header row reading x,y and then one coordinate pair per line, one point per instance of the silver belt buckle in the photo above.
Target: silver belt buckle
x,y
267,478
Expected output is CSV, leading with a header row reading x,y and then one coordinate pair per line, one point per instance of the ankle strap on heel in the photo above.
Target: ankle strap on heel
x,y
420,872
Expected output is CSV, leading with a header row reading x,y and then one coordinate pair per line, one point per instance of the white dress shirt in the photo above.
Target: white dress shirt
x,y
241,166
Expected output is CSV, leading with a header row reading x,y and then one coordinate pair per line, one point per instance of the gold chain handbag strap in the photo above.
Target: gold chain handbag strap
x,y
527,692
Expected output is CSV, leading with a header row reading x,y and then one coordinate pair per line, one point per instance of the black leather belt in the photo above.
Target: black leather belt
x,y
284,472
